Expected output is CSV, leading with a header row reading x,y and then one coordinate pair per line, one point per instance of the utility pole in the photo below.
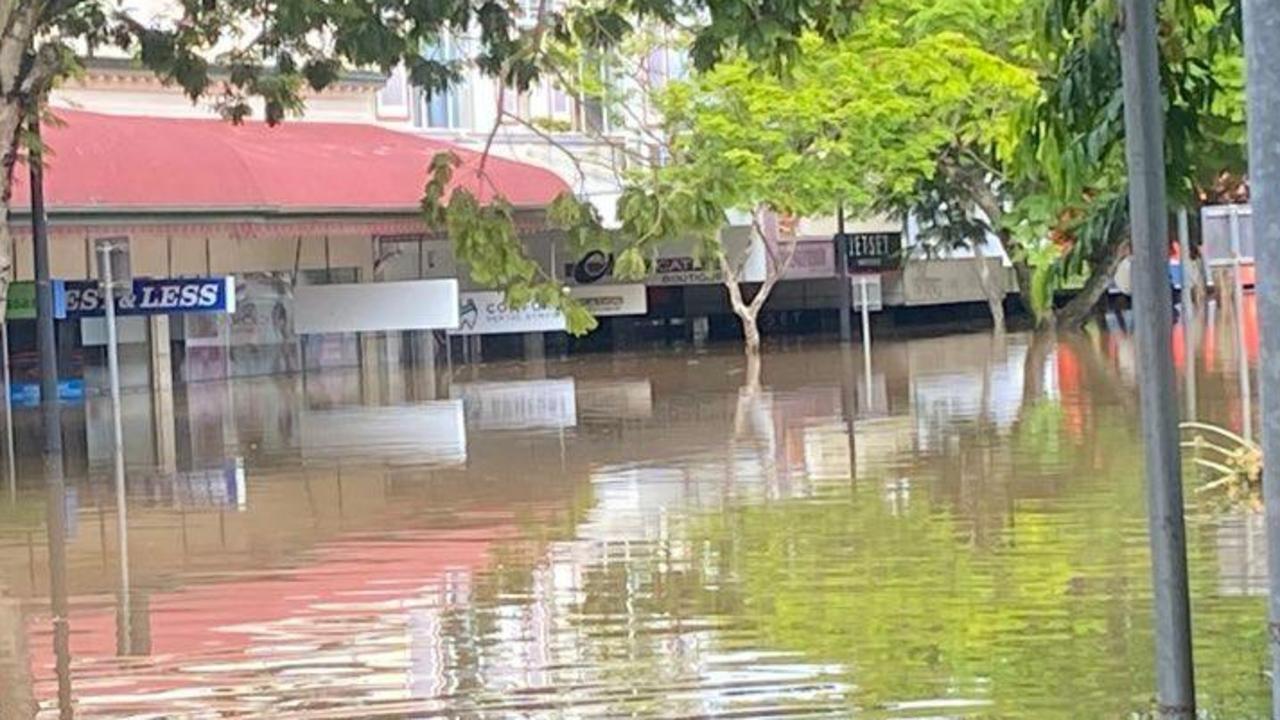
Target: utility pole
x,y
842,271
1153,318
1262,55
46,335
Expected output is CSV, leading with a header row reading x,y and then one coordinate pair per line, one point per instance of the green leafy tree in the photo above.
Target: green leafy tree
x,y
1071,214
977,48
235,50
862,121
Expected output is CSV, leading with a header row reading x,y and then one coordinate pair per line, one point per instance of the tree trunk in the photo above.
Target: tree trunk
x,y
11,116
17,31
1022,271
992,288
1077,311
746,312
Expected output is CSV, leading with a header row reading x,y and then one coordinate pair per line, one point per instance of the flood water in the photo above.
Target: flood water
x,y
959,534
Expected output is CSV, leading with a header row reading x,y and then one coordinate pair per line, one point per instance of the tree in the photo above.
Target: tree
x,y
971,49
861,121
1071,215
237,50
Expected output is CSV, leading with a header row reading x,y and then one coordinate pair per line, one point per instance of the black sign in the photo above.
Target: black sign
x,y
872,252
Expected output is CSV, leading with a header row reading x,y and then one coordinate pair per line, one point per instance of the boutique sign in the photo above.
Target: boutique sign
x,y
84,298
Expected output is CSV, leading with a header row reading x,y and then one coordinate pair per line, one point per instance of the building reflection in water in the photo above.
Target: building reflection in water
x,y
528,545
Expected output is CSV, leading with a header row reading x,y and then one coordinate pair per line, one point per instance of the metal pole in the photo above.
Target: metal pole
x,y
842,271
1262,58
1153,318
117,436
1242,355
11,461
866,338
1237,290
56,534
1188,313
46,335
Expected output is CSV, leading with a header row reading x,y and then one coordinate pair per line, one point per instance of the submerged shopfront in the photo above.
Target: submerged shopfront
x,y
277,209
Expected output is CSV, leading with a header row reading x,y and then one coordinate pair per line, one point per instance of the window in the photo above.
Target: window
x,y
559,102
663,65
515,103
444,109
393,99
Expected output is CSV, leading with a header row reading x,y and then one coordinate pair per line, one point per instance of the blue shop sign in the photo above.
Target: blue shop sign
x,y
154,297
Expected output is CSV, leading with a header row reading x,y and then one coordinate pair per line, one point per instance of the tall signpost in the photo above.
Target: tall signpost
x,y
113,256
1262,59
1153,316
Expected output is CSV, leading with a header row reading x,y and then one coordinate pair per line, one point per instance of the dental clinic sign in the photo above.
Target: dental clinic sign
x,y
486,312
84,298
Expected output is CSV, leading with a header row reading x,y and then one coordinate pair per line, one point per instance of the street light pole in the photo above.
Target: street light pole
x,y
1262,60
1153,318
46,336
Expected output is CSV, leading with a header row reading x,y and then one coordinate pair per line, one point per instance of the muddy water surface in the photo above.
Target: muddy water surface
x,y
959,534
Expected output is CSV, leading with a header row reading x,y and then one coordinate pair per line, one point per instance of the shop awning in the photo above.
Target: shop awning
x,y
111,163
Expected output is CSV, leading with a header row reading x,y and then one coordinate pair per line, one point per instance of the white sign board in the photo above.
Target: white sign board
x,y
867,286
520,404
611,300
486,312
376,307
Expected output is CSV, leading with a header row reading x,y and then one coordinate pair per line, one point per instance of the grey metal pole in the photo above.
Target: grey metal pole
x,y
11,461
1188,313
842,272
56,534
1262,60
1242,354
1153,318
866,339
46,335
117,435
1237,280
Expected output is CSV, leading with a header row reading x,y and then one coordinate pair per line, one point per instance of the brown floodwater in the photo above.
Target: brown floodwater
x,y
958,534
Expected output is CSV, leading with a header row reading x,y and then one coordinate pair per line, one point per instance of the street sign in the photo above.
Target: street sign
x,y
115,250
872,252
867,292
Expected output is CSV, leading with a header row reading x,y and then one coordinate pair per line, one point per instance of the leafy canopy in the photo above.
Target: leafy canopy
x,y
853,121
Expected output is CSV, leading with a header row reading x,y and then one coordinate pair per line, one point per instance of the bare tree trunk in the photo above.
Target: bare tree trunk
x,y
10,122
1076,312
992,288
747,313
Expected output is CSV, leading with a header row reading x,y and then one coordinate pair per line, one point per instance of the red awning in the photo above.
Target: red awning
x,y
130,164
